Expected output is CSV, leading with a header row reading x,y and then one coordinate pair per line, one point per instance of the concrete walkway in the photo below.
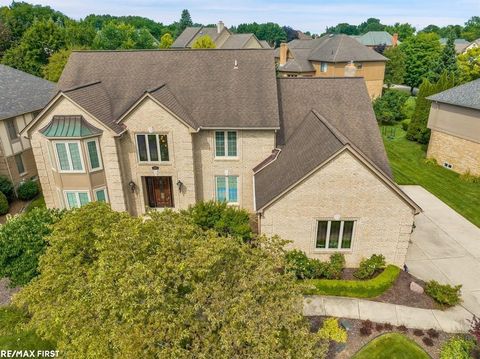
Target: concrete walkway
x,y
445,247
454,320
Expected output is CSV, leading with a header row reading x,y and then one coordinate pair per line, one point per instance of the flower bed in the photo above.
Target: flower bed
x,y
353,288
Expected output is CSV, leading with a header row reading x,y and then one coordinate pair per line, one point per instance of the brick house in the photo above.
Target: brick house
x,y
185,126
455,123
332,56
21,96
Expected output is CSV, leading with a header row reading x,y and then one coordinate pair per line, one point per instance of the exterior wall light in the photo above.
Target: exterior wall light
x,y
132,186
180,185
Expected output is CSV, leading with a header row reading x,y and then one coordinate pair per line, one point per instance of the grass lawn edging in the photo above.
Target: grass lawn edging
x,y
353,288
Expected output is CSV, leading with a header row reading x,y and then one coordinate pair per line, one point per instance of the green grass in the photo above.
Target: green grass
x,y
37,202
353,288
407,160
14,337
391,346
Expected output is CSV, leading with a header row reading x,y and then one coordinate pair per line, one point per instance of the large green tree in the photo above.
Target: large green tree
x,y
448,59
184,22
203,42
115,36
371,24
422,55
40,41
166,41
417,130
404,30
343,28
395,66
56,63
271,32
471,31
112,285
469,65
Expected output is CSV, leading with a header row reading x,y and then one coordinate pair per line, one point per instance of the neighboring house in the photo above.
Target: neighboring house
x,y
461,45
472,45
328,56
305,154
21,97
455,123
373,39
221,36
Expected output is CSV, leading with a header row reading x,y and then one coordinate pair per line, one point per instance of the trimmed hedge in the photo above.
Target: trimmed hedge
x,y
353,288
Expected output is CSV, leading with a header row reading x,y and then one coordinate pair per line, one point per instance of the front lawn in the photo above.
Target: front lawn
x,y
391,346
407,160
14,337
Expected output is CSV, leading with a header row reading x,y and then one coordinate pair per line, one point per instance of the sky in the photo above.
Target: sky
x,y
306,15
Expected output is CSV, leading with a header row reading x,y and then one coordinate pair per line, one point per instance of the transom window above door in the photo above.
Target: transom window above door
x,y
226,144
334,234
152,147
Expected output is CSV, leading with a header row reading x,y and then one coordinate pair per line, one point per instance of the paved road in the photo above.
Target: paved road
x,y
453,320
445,247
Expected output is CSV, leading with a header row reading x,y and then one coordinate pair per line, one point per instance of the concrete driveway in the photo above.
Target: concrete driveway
x,y
445,247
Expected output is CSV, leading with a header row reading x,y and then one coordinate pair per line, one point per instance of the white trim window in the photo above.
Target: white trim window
x,y
76,199
101,194
69,156
323,66
226,189
93,155
332,234
226,144
152,147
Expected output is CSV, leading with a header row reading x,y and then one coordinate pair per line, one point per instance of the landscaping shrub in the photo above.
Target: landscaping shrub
x,y
335,266
388,108
22,241
330,330
388,326
224,219
427,341
379,327
6,187
27,190
430,161
418,332
368,267
365,331
354,288
443,293
405,124
402,328
302,266
469,178
432,333
458,348
3,204
408,108
475,328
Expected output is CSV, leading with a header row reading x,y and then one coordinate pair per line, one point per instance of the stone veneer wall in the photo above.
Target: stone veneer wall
x,y
463,154
343,187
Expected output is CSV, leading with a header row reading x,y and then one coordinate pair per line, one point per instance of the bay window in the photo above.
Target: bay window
x,y
75,199
334,234
94,159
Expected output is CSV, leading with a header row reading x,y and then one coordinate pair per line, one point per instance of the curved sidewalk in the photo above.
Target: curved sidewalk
x,y
453,320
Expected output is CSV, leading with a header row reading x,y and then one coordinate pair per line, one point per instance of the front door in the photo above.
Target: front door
x,y
159,191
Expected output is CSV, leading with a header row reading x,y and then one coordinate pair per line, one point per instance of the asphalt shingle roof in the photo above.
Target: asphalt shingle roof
x,y
213,88
22,93
466,95
375,38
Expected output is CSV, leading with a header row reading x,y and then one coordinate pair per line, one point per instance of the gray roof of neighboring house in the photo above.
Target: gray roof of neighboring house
x,y
375,38
22,93
319,116
236,41
329,48
460,44
202,87
190,34
466,95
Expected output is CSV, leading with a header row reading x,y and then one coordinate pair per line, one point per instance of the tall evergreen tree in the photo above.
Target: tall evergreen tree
x,y
185,21
448,59
395,66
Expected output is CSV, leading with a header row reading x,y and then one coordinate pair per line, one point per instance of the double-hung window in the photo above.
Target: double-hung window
x,y
76,199
69,156
12,129
19,163
226,189
94,158
152,148
226,144
334,234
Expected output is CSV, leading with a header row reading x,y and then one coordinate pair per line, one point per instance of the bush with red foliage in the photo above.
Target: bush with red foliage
x,y
388,326
432,333
418,332
379,327
475,328
402,328
427,341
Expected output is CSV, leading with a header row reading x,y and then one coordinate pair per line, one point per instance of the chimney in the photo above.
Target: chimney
x,y
394,40
350,69
283,53
220,26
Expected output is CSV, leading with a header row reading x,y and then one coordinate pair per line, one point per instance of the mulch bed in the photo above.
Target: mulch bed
x,y
6,292
16,206
400,293
356,341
